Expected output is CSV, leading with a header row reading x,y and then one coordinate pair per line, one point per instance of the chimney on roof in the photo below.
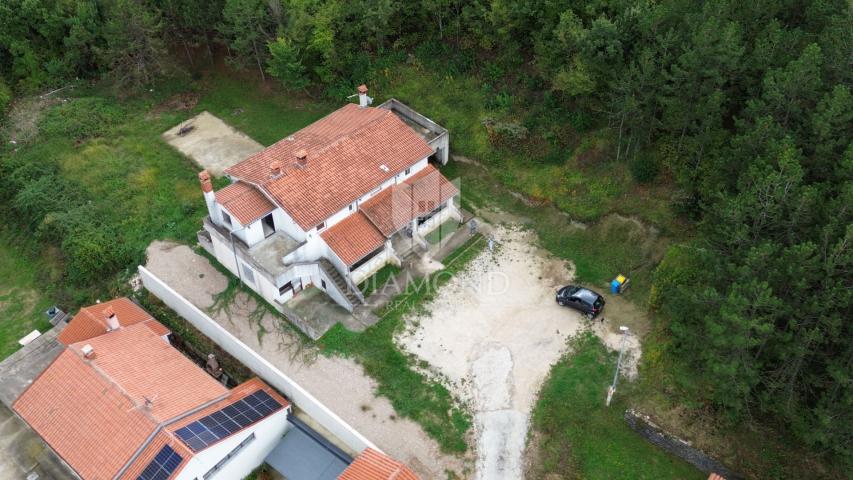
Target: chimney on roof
x,y
363,99
209,196
87,351
112,318
301,158
275,169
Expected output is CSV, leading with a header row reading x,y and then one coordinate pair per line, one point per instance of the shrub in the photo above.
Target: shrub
x,y
81,118
644,168
39,197
93,252
5,96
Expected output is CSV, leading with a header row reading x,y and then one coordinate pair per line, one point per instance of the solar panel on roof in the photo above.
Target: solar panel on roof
x,y
162,466
224,422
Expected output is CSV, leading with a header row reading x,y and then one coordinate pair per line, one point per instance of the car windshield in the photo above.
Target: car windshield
x,y
599,303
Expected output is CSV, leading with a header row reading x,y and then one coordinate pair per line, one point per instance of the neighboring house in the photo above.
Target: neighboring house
x,y
121,403
331,204
373,465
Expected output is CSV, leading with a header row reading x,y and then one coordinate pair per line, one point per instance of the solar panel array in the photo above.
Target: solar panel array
x,y
163,465
237,416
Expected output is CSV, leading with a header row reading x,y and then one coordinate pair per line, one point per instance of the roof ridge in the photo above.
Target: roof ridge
x,y
356,132
90,363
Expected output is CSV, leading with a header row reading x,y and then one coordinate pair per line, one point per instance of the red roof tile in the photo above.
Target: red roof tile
x,y
244,201
102,412
237,393
393,208
151,450
353,238
347,151
144,367
90,321
373,465
81,414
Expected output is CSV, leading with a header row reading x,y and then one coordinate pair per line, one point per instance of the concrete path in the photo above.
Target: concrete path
x,y
212,144
339,383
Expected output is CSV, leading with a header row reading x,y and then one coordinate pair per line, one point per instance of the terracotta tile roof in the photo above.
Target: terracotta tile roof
x,y
151,450
353,237
244,201
347,151
84,417
396,206
237,393
373,465
90,321
144,367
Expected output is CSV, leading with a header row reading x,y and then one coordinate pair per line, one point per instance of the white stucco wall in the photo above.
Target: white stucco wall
x,y
268,433
259,365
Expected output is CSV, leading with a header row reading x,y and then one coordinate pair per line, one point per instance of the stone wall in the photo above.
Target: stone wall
x,y
676,446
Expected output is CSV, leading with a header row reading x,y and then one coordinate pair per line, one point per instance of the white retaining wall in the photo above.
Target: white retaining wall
x,y
259,365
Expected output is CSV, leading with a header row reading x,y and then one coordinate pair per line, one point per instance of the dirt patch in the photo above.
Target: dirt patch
x,y
21,124
180,102
339,383
494,331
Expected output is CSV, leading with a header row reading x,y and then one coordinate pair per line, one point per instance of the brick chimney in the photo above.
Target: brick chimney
x,y
363,99
301,158
209,196
111,318
275,169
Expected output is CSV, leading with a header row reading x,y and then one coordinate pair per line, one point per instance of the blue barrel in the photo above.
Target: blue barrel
x,y
615,286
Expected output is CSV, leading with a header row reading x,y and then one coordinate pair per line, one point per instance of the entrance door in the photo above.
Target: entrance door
x,y
269,225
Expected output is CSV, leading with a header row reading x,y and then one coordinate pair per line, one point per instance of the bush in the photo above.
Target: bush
x,y
40,197
5,96
81,118
93,252
644,168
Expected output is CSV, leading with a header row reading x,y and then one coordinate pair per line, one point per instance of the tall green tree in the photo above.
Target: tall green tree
x,y
134,52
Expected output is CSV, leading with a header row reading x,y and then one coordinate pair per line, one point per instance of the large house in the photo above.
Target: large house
x,y
332,203
121,403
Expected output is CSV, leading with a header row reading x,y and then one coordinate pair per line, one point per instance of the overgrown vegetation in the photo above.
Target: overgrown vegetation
x,y
579,438
413,394
731,119
378,280
22,304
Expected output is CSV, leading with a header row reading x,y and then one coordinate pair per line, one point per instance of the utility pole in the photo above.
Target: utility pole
x,y
612,389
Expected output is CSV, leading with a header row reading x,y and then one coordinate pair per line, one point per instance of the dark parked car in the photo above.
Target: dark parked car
x,y
582,299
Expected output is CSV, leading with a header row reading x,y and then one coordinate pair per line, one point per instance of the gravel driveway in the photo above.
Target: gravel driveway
x,y
339,383
493,332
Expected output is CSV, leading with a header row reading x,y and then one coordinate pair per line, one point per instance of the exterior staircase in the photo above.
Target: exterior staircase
x,y
353,296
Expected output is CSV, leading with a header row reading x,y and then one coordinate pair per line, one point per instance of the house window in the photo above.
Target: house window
x,y
323,283
248,274
321,226
351,206
226,219
285,288
228,457
408,171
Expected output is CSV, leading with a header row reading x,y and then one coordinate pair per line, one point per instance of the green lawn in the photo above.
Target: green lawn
x,y
378,279
581,438
412,394
22,300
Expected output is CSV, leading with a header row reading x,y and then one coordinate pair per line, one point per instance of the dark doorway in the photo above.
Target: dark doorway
x,y
269,225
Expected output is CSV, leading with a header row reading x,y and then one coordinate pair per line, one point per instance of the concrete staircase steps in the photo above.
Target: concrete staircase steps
x,y
339,281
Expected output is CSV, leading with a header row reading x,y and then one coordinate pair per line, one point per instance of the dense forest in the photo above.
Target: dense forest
x,y
745,108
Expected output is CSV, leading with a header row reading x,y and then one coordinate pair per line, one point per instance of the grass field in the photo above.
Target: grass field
x,y
412,394
378,279
22,300
579,438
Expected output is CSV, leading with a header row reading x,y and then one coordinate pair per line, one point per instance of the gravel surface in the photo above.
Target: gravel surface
x,y
493,332
339,383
